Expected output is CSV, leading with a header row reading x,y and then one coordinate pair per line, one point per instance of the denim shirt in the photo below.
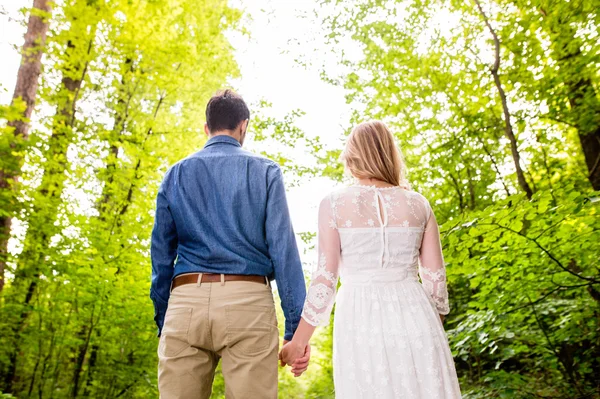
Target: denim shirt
x,y
224,210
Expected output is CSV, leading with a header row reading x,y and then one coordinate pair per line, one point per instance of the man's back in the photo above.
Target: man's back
x,y
223,210
218,199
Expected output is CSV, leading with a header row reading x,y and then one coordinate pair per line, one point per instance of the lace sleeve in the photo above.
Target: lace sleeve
x,y
321,293
431,268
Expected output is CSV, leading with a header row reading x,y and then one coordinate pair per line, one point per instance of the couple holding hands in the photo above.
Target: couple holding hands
x,y
222,233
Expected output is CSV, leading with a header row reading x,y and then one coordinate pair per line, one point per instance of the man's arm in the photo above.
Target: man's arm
x,y
163,252
284,253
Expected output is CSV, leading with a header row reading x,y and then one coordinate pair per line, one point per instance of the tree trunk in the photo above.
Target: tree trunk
x,y
459,194
25,90
575,76
41,223
82,353
472,200
111,204
496,167
508,129
590,144
585,109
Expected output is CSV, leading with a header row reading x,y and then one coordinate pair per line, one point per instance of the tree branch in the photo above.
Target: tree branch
x,y
550,255
508,129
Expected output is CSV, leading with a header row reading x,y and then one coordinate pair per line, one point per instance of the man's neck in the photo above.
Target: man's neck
x,y
225,133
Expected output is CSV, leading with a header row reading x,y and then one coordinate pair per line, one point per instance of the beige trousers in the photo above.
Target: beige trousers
x,y
235,322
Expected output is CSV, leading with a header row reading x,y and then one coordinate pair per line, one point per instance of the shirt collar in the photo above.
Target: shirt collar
x,y
222,139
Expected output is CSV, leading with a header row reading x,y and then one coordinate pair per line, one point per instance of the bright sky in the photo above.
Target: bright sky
x,y
281,32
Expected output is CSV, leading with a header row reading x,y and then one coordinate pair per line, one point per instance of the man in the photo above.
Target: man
x,y
222,232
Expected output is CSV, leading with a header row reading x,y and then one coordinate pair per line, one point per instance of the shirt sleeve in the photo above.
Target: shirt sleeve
x,y
323,286
283,252
432,269
163,251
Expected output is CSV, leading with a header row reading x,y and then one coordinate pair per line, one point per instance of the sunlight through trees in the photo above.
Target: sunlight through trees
x,y
495,104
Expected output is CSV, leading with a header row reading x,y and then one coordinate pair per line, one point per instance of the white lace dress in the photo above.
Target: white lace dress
x,y
388,339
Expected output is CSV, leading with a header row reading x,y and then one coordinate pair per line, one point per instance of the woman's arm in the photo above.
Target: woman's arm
x,y
323,286
432,269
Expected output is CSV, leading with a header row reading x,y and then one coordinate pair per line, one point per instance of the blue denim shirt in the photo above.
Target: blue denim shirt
x,y
224,210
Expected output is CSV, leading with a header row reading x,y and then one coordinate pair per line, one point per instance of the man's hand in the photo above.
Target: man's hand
x,y
296,356
281,363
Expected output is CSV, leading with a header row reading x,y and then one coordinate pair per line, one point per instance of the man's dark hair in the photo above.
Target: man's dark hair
x,y
225,111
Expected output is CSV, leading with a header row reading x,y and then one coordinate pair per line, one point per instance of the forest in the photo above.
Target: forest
x,y
494,103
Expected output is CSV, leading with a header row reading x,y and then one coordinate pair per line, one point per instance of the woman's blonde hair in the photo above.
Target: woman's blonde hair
x,y
371,153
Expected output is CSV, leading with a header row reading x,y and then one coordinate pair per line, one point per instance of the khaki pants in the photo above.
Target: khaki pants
x,y
235,322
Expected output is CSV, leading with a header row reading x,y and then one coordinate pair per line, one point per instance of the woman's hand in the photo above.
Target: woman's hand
x,y
301,364
295,355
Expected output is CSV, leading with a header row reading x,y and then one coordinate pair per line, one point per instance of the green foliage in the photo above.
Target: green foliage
x,y
284,138
525,276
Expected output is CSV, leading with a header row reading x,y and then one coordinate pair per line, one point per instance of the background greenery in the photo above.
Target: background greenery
x,y
496,105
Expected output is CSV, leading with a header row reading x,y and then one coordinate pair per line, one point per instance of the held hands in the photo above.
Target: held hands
x,y
295,355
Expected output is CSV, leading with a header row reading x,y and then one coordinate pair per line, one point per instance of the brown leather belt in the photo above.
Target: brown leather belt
x,y
192,278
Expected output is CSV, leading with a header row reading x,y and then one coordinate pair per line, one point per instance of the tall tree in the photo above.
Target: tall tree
x,y
25,91
576,79
77,51
508,127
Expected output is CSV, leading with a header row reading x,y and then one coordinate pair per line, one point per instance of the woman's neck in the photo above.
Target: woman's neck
x,y
373,182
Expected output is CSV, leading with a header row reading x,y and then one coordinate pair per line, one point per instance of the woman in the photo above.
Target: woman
x,y
380,237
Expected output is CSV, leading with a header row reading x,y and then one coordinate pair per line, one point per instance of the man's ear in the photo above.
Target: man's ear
x,y
243,130
244,126
206,129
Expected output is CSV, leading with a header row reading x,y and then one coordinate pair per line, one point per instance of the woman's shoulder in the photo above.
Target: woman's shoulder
x,y
416,194
334,197
419,198
340,192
